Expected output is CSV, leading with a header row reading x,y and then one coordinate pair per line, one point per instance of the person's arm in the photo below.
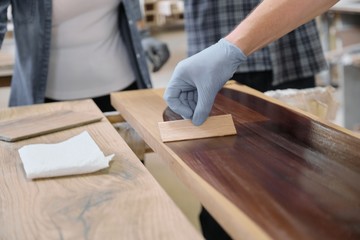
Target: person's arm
x,y
196,80
273,19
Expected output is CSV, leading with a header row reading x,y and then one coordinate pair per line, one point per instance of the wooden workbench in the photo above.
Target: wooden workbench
x,y
285,175
121,202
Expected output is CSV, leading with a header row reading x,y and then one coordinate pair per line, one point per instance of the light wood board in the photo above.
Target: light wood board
x,y
214,126
39,124
120,202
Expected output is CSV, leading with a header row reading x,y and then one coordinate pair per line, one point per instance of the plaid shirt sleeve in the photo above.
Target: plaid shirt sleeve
x,y
298,54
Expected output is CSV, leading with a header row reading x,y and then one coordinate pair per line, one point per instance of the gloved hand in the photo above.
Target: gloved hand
x,y
156,51
196,80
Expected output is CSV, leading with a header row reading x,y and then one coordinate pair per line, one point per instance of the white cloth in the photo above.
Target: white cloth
x,y
88,57
77,155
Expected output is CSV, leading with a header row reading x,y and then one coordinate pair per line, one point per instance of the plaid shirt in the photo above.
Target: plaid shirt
x,y
296,55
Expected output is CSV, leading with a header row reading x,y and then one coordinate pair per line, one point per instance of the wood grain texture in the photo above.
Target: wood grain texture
x,y
183,129
121,202
39,124
285,175
288,170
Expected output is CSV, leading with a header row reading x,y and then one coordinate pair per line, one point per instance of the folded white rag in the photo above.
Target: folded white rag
x,y
77,155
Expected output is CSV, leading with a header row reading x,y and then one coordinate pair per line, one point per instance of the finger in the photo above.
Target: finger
x,y
203,108
176,101
192,99
184,99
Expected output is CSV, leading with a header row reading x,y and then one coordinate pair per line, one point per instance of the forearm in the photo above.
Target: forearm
x,y
274,18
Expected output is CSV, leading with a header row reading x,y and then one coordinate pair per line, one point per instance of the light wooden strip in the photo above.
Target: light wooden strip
x,y
31,126
215,126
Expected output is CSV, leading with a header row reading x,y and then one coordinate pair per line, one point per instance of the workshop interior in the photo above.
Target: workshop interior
x,y
279,164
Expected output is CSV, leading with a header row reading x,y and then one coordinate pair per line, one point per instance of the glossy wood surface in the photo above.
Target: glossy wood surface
x,y
120,202
285,170
292,175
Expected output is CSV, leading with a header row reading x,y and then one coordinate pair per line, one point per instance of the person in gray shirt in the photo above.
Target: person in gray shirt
x,y
69,50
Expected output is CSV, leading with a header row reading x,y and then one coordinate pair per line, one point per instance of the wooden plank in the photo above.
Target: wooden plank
x,y
121,202
133,106
215,126
39,124
285,175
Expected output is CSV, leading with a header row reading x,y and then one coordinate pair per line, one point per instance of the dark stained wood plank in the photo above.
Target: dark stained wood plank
x,y
295,177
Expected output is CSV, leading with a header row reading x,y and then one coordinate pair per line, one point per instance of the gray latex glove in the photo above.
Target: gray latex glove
x,y
196,80
156,51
